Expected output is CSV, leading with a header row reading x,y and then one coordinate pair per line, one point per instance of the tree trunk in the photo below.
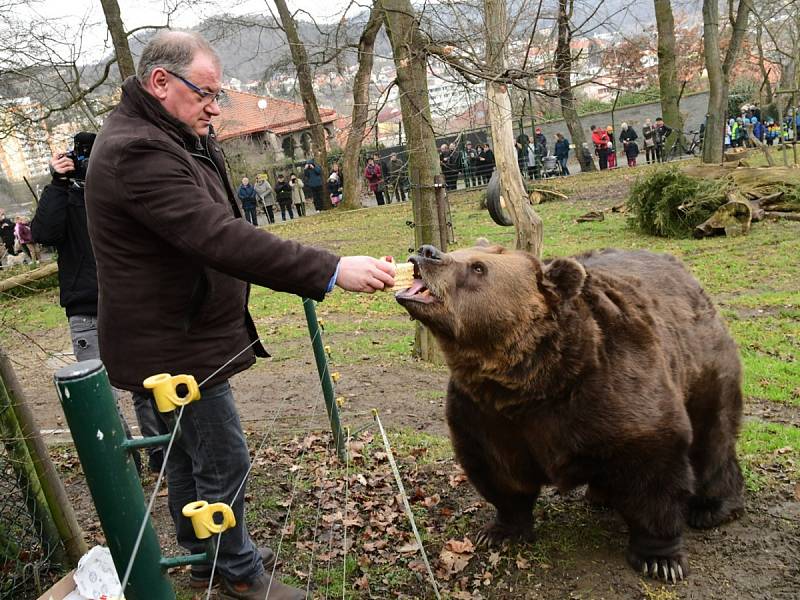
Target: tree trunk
x,y
766,84
305,83
353,181
719,73
119,37
668,71
527,223
423,159
563,67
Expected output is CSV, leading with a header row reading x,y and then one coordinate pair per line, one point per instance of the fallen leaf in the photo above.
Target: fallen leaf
x,y
522,563
494,558
464,546
408,548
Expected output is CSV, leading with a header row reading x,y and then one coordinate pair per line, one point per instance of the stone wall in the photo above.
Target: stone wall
x,y
693,109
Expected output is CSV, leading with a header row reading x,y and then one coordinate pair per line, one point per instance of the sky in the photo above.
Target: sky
x,y
138,13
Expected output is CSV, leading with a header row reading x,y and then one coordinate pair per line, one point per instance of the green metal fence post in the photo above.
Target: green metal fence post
x,y
91,413
325,377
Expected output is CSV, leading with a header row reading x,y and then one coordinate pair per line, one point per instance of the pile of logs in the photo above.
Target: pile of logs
x,y
759,193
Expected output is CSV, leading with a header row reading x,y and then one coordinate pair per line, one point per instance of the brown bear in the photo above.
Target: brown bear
x,y
611,369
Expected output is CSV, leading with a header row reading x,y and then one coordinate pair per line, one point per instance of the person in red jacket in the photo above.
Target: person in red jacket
x,y
600,141
374,176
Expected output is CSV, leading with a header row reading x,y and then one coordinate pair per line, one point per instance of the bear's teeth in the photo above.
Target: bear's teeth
x,y
426,292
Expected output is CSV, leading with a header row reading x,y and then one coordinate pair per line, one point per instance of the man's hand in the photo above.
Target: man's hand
x,y
61,164
364,274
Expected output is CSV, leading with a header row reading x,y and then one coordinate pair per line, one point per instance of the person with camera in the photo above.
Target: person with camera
x,y
312,179
60,221
176,261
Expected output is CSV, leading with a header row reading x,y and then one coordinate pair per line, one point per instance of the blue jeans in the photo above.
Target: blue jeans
x,y
83,330
208,461
250,215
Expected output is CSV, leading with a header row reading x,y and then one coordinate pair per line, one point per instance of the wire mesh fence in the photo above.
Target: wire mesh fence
x,y
30,556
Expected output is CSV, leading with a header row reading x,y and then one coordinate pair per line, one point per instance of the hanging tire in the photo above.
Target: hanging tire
x,y
495,202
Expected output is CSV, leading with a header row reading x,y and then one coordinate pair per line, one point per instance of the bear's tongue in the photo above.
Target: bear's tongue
x,y
416,287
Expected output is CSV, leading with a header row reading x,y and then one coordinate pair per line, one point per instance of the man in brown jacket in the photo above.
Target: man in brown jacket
x,y
174,261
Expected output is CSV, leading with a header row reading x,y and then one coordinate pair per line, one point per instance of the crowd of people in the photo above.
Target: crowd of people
x,y
17,240
765,129
289,194
475,163
387,179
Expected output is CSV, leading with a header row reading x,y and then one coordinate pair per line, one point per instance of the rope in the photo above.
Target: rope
x,y
406,505
152,501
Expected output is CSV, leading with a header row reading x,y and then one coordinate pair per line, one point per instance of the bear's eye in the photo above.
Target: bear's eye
x,y
479,268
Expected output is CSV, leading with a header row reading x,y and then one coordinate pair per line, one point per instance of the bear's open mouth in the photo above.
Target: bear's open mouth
x,y
418,292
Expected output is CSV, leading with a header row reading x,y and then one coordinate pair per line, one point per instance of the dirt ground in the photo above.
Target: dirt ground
x,y
754,557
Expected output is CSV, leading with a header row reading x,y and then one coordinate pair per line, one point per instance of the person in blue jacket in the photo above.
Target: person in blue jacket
x,y
312,180
562,153
248,198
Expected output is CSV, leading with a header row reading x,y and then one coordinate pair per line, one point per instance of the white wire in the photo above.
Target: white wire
x,y
152,501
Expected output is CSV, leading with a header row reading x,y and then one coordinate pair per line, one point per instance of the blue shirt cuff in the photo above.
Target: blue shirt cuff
x,y
332,282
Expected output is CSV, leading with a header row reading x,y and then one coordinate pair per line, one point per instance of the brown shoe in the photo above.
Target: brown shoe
x,y
199,574
260,589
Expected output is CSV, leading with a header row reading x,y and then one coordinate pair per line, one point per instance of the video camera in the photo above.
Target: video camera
x,y
82,148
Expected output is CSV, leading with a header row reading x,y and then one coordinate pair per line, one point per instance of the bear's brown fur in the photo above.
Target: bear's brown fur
x,y
611,369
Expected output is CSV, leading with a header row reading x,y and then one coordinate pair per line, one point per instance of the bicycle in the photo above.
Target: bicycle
x,y
678,149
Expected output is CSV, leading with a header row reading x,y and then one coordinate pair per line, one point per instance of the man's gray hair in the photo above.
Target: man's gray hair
x,y
173,51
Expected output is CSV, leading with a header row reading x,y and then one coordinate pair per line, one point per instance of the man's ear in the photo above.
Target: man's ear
x,y
565,277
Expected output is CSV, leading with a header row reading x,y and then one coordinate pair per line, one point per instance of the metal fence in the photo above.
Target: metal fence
x,y
29,557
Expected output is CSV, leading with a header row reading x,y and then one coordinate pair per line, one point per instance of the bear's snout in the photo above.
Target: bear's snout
x,y
430,252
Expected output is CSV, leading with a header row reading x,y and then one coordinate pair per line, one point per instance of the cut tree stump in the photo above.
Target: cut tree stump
x,y
733,218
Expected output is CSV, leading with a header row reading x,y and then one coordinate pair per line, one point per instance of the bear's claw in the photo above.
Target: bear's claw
x,y
495,533
670,569
663,569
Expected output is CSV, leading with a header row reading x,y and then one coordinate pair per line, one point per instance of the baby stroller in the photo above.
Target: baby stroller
x,y
550,167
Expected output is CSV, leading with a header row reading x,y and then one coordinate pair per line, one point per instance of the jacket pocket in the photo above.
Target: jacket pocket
x,y
197,299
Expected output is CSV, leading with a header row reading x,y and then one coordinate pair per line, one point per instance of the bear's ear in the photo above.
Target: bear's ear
x,y
565,276
484,245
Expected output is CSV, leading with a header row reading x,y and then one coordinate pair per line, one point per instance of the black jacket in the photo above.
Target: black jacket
x,y
60,221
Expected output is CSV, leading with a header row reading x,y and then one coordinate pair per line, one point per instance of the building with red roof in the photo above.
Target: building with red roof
x,y
281,125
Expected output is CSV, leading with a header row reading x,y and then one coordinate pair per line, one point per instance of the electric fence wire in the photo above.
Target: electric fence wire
x,y
344,516
152,501
249,470
267,435
406,505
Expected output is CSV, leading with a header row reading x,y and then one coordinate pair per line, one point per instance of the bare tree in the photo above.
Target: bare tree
x,y
566,95
116,29
355,137
410,59
527,223
719,71
668,70
306,85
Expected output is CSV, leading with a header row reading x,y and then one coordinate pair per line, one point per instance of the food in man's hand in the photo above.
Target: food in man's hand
x,y
404,276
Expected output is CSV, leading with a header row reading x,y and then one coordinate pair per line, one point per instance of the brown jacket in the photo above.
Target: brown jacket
x,y
173,253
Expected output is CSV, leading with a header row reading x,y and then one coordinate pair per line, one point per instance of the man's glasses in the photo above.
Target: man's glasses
x,y
208,97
